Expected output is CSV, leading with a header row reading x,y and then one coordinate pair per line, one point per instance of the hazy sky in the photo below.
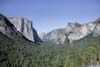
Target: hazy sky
x,y
51,14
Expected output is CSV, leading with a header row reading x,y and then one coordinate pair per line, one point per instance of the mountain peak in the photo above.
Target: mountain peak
x,y
78,31
74,24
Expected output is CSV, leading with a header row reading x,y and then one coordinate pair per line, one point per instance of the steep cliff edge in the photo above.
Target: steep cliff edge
x,y
25,27
18,26
6,27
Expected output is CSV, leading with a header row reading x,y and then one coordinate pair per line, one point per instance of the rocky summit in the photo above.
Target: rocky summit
x,y
73,32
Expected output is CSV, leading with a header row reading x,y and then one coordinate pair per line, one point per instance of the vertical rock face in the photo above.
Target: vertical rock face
x,y
25,27
74,32
20,27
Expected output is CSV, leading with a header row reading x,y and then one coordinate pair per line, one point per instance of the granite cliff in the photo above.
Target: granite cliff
x,y
20,26
6,27
25,27
73,32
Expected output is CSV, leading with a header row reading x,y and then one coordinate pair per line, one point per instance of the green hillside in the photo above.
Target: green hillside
x,y
18,52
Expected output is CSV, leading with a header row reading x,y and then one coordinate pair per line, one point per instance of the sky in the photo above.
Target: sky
x,y
52,14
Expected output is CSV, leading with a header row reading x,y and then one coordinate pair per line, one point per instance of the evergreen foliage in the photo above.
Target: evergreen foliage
x,y
17,52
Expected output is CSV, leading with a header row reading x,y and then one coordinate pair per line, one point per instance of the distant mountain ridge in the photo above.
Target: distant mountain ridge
x,y
73,32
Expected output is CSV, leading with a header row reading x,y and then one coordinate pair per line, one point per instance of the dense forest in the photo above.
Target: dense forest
x,y
16,52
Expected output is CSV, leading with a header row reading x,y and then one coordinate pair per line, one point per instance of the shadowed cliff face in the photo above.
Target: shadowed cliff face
x,y
6,27
75,32
25,27
19,26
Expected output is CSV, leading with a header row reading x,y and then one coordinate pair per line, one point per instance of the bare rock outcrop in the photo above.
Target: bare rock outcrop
x,y
74,31
25,27
18,26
